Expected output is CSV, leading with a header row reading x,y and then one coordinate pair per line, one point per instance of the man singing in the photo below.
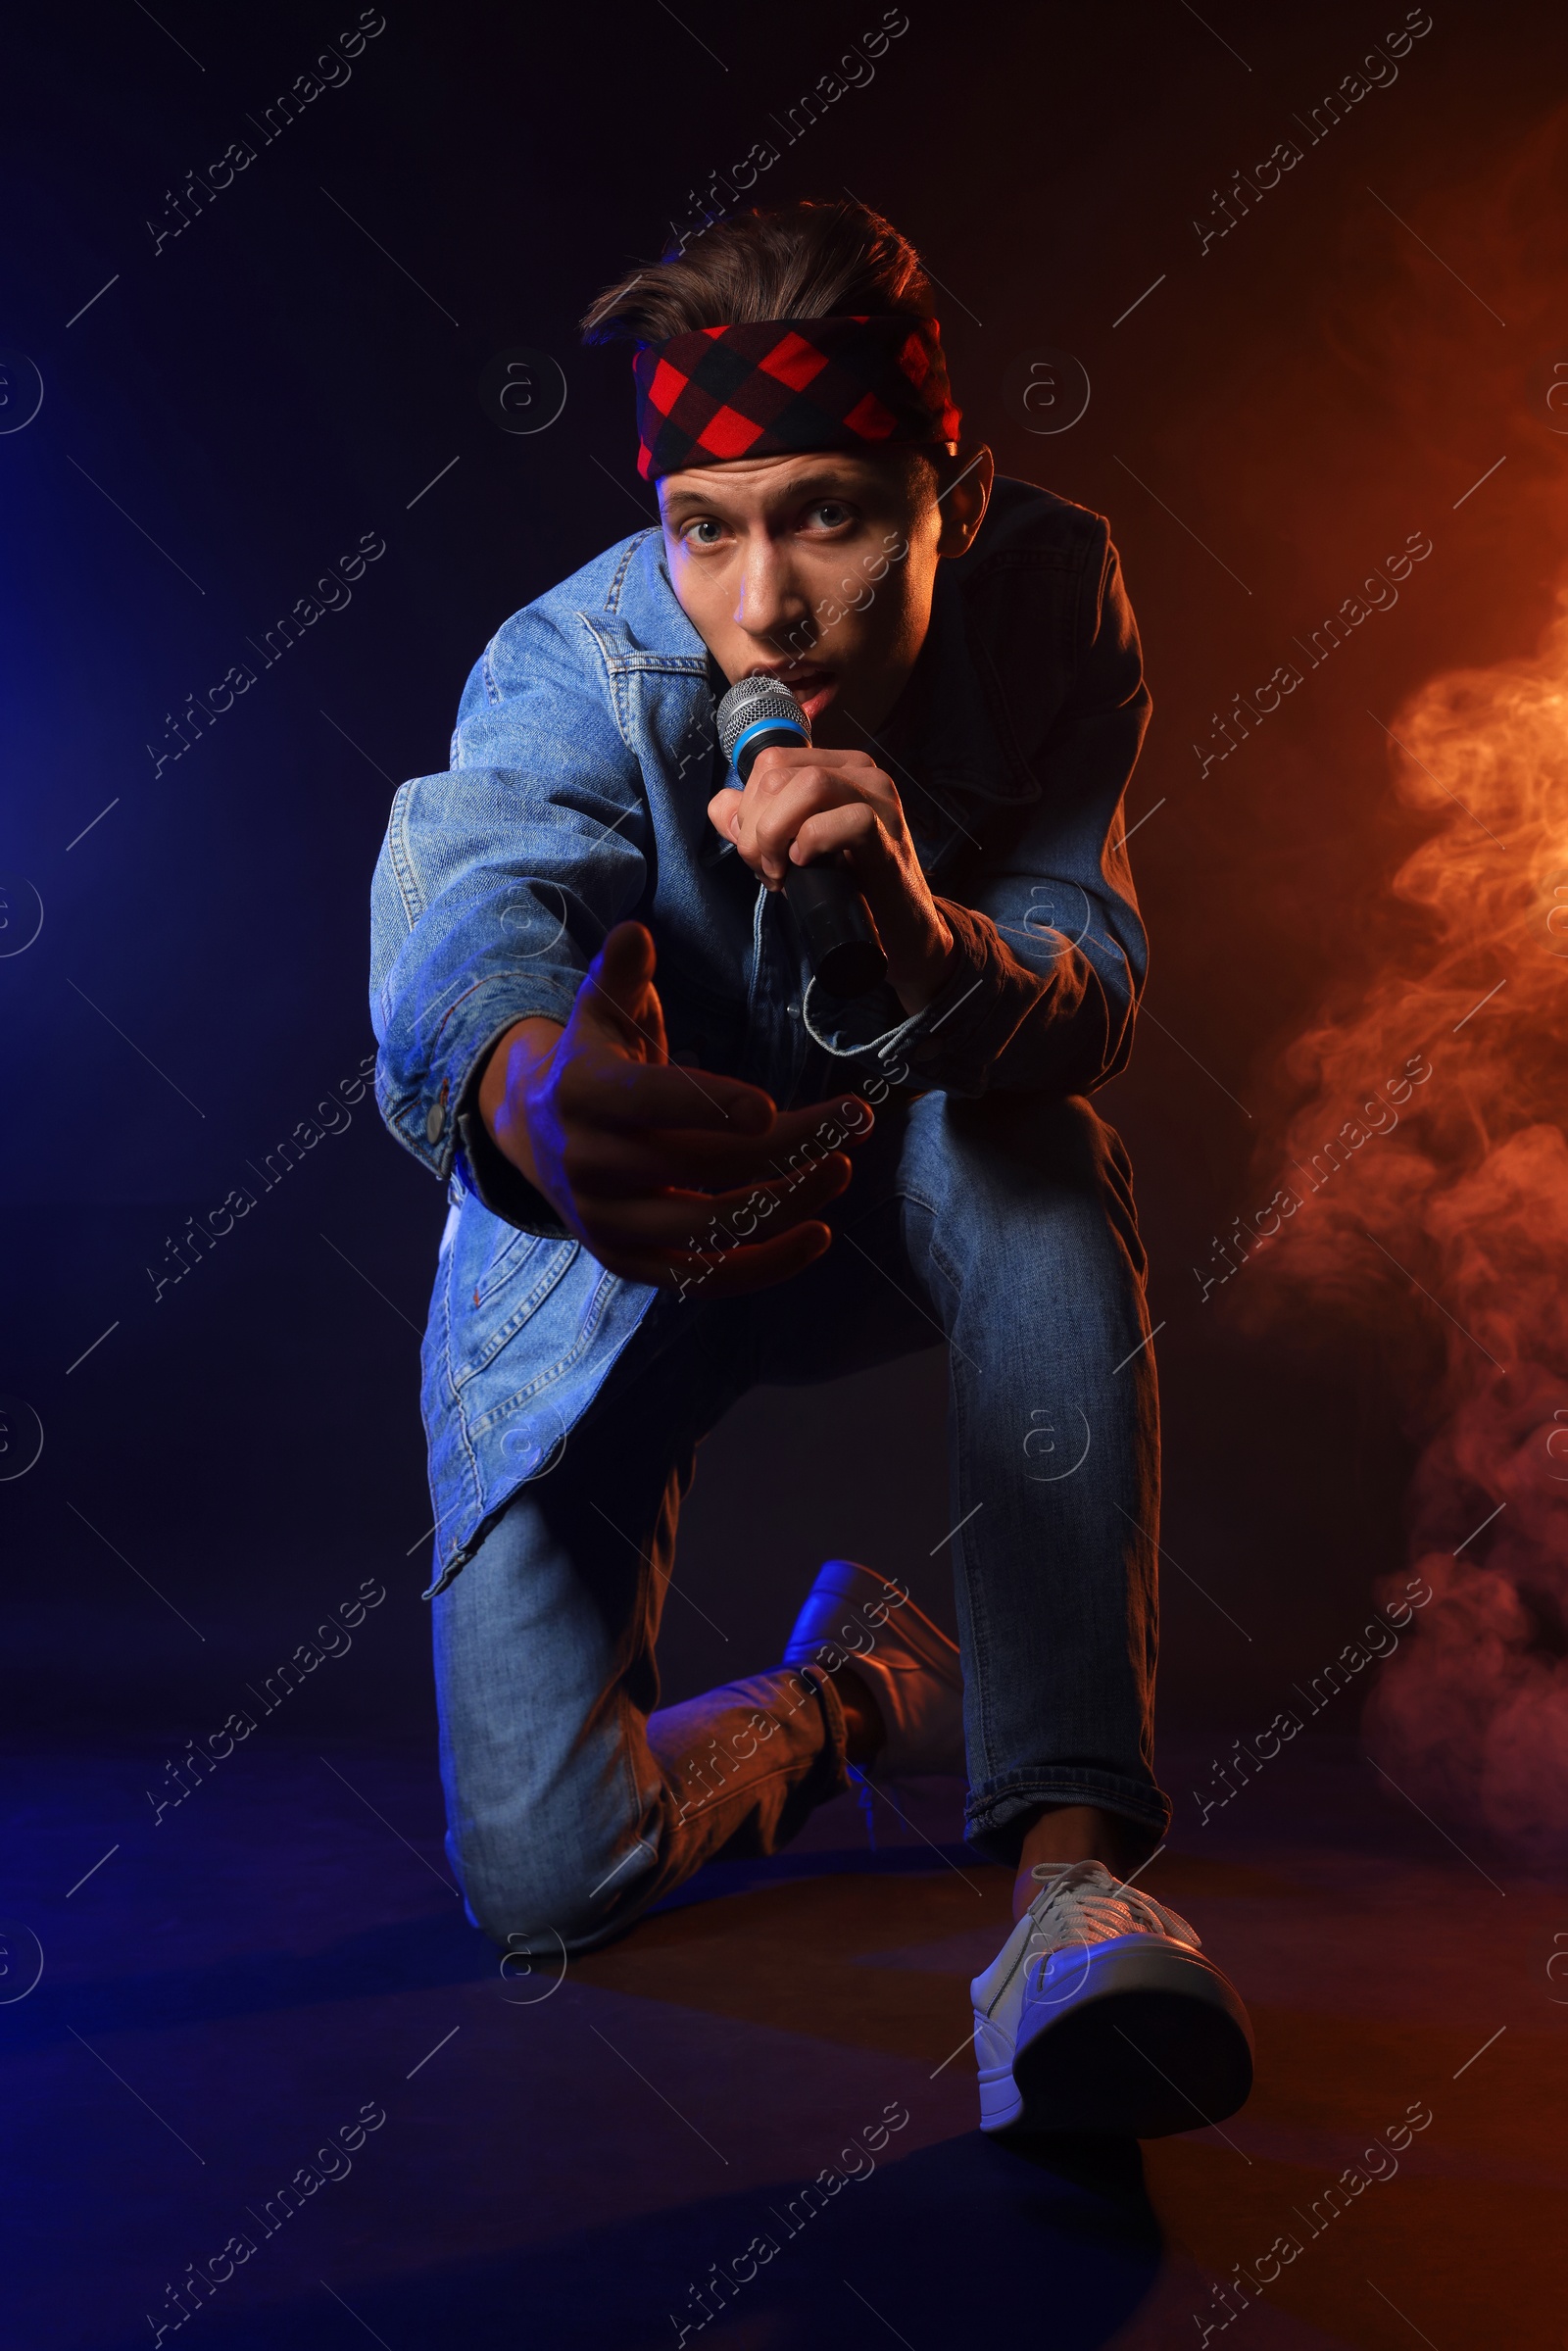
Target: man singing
x,y
678,1166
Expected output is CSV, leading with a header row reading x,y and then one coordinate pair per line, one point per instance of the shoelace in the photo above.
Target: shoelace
x,y
1085,1902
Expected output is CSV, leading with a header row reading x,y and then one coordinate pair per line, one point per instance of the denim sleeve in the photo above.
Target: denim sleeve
x,y
1049,953
494,890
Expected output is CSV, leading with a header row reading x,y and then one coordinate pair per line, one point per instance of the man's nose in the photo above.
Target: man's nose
x,y
770,605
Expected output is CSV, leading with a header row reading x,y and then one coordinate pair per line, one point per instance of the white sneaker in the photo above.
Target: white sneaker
x,y
856,1618
1098,2014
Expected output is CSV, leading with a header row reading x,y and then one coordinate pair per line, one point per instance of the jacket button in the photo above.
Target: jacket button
x,y
794,1012
435,1119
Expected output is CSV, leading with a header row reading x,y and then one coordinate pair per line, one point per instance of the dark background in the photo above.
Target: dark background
x,y
230,415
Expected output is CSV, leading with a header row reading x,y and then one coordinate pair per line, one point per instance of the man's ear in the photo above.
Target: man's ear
x,y
964,493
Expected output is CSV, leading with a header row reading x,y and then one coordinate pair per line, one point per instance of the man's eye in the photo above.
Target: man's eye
x,y
702,525
828,513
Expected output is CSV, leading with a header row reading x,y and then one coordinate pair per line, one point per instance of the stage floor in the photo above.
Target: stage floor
x,y
563,2159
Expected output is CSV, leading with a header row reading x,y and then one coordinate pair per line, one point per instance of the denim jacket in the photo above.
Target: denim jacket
x,y
581,766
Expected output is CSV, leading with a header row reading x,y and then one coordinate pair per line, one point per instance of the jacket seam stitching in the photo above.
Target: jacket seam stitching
x,y
455,1407
620,665
547,1278
614,591
403,866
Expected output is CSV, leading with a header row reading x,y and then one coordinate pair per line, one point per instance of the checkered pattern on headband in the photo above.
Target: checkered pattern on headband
x,y
781,385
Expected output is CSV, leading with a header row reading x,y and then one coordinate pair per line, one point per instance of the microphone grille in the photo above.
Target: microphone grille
x,y
751,698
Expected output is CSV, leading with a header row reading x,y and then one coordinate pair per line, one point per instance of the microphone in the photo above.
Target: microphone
x,y
834,919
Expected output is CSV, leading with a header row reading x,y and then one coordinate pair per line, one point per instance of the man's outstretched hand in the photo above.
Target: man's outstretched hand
x,y
653,1166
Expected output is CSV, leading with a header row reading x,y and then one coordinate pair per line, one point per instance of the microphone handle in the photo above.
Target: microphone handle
x,y
835,922
834,919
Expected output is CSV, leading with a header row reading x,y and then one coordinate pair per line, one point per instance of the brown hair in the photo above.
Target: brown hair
x,y
792,260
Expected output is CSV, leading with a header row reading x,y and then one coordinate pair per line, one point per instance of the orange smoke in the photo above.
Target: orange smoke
x,y
1441,1202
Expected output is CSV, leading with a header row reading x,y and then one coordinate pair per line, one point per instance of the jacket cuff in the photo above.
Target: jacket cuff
x,y
486,1172
437,1117
477,1161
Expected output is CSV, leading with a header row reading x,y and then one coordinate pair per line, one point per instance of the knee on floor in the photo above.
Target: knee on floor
x,y
538,1905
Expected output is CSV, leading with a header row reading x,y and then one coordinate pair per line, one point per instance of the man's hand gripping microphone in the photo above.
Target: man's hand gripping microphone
x,y
834,921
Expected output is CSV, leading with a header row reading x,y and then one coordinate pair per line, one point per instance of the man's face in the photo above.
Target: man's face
x,y
818,569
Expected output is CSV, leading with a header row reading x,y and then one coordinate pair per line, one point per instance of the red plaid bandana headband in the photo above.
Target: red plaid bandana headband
x,y
785,385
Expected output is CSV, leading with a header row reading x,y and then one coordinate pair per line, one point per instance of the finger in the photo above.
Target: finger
x,y
624,966
797,1137
778,758
617,998
707,1222
607,1162
823,814
735,1271
776,819
770,1262
853,825
839,1124
723,809
612,1091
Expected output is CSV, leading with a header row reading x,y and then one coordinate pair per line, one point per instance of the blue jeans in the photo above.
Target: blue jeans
x,y
1005,1225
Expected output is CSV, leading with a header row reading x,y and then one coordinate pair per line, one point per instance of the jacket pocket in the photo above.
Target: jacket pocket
x,y
498,1278
506,1252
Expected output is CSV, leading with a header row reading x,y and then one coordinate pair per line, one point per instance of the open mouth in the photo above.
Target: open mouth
x,y
812,688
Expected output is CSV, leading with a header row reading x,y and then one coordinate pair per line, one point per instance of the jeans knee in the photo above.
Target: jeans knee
x,y
1060,1166
535,1901
1059,1136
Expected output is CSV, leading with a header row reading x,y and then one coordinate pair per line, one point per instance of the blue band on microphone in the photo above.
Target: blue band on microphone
x,y
773,725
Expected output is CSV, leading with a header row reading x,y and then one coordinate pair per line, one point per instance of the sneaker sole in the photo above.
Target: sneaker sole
x,y
1155,2040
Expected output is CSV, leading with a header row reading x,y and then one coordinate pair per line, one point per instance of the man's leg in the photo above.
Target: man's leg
x,y
572,1804
1030,1231
1006,1225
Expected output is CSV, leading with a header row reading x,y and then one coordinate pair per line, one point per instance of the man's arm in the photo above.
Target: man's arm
x,y
1049,953
497,884
521,1037
512,1072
